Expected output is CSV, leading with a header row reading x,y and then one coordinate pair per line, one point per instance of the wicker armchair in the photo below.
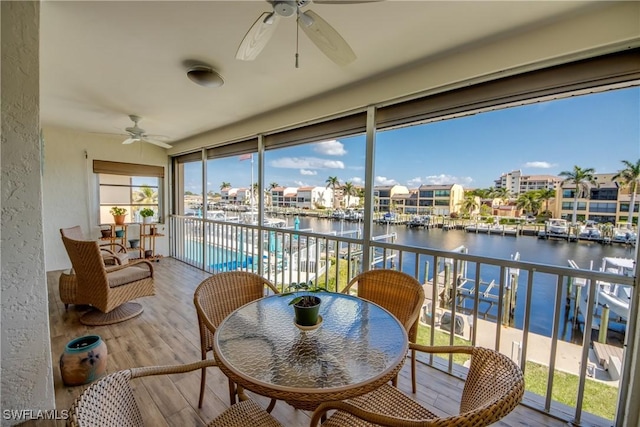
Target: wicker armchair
x,y
493,388
400,294
112,253
215,298
111,402
108,289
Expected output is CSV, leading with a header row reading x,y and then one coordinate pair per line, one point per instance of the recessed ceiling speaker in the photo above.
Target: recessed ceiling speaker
x,y
204,75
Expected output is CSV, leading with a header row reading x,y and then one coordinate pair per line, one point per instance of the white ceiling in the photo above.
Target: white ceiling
x,y
103,60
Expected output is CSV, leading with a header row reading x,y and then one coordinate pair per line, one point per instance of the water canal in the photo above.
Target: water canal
x,y
530,249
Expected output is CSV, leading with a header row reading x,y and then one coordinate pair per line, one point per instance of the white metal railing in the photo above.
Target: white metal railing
x,y
498,312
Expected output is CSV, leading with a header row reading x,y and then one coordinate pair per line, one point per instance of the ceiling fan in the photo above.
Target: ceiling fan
x,y
138,134
323,35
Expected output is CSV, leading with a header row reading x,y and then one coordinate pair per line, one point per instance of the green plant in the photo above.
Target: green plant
x,y
146,212
117,211
306,300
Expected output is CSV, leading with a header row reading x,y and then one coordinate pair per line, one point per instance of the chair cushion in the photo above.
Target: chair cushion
x,y
127,275
123,257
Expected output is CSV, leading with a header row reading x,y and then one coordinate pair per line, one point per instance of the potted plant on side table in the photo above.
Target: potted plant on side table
x,y
119,215
306,306
147,215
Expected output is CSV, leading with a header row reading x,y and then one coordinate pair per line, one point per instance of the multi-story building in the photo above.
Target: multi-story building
x,y
518,183
383,195
604,201
312,197
440,199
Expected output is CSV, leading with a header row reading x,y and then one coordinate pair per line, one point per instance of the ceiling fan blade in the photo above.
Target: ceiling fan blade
x,y
158,143
130,140
257,37
326,38
345,1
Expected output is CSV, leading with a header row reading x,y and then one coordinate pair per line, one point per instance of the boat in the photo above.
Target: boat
x,y
338,214
617,297
419,221
624,233
590,231
557,226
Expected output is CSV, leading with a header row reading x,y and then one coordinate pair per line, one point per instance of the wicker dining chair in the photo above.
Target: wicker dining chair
x,y
109,289
111,402
215,298
400,294
494,386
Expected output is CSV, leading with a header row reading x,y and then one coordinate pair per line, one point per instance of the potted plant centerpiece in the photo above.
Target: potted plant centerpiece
x,y
306,305
118,215
147,215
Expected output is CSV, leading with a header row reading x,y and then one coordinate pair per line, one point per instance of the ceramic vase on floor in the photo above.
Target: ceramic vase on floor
x,y
84,360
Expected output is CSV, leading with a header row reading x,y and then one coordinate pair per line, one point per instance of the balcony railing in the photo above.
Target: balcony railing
x,y
534,313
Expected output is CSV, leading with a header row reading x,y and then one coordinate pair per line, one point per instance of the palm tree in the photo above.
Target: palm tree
x,y
545,195
273,185
500,193
470,203
225,185
529,202
349,190
630,176
146,195
334,183
580,177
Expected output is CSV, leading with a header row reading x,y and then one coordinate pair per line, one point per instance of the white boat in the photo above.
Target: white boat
x,y
624,233
617,297
557,226
590,231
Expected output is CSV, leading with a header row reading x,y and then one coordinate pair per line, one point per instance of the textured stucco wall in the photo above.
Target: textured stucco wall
x,y
27,380
70,186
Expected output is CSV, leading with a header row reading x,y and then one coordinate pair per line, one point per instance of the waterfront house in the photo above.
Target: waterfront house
x,y
72,71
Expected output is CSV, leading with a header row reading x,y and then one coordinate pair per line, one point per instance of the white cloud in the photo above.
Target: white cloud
x,y
414,182
308,172
356,180
330,148
541,165
441,179
306,163
383,180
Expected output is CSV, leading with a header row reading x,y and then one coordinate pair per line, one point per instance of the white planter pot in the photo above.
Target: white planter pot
x,y
147,220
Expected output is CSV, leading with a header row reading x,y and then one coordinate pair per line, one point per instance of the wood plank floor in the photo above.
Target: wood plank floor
x,y
167,333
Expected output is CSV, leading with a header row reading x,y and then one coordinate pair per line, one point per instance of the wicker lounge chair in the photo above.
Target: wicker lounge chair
x,y
108,289
494,386
111,402
113,253
215,298
400,294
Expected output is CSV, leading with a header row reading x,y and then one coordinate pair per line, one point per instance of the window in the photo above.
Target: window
x,y
130,186
603,207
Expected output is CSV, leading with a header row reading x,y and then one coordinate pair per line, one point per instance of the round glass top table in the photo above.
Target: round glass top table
x,y
358,347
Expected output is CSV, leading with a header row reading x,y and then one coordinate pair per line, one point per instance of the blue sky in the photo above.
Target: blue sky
x,y
596,131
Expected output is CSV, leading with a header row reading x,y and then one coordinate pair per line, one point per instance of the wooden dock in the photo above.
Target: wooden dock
x,y
604,352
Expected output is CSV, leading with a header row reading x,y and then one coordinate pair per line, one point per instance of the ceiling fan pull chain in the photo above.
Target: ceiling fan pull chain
x,y
297,36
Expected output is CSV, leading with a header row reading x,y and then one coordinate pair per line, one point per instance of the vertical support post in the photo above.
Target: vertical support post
x,y
447,284
604,325
426,272
368,185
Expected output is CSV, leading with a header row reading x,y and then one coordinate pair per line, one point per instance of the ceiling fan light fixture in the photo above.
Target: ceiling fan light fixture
x,y
285,7
204,75
306,20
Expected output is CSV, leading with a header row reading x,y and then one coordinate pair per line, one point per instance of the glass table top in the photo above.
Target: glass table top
x,y
357,343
